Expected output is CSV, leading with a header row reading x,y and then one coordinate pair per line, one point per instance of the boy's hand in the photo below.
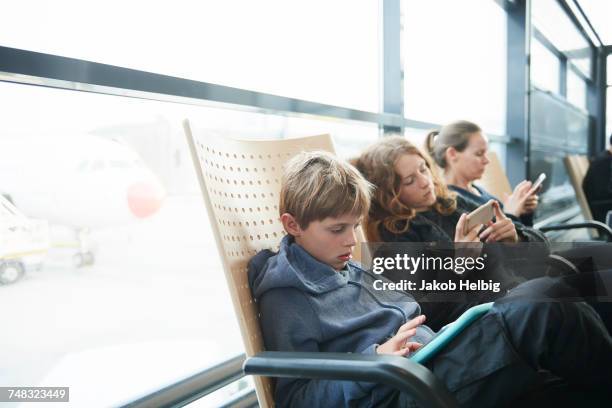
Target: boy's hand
x,y
502,230
399,345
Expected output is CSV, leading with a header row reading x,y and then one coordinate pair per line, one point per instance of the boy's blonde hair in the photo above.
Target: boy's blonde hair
x,y
317,185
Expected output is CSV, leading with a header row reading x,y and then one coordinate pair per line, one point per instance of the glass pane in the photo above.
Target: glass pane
x,y
599,13
122,274
350,138
417,137
551,20
557,194
576,89
451,70
293,49
544,68
556,131
556,125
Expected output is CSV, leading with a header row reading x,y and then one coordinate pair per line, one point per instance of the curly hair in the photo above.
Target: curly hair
x,y
377,164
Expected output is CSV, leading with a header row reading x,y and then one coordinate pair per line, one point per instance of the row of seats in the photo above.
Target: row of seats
x,y
221,165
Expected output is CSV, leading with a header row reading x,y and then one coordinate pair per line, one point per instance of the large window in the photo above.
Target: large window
x,y
131,283
561,59
554,23
317,50
556,130
452,69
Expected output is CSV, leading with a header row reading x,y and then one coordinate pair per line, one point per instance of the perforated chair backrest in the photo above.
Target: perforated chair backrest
x,y
494,178
577,166
240,182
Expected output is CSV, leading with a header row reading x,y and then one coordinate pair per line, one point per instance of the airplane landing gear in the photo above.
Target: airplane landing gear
x,y
84,256
83,259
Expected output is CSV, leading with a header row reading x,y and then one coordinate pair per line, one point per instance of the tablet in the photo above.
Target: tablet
x,y
449,332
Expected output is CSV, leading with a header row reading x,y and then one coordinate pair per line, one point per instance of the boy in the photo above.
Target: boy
x,y
313,298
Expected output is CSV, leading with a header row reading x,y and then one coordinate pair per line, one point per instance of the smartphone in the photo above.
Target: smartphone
x,y
481,215
538,181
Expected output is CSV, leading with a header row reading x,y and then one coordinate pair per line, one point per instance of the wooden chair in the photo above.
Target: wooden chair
x,y
494,179
577,166
240,182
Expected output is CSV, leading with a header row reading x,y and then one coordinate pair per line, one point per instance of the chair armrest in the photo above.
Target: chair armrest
x,y
398,372
602,228
601,202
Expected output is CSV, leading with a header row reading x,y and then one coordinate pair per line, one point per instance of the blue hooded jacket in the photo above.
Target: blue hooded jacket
x,y
306,305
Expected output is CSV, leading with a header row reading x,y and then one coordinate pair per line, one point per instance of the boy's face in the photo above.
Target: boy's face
x,y
330,240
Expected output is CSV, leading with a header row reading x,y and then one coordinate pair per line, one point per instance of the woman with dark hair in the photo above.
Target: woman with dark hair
x,y
460,149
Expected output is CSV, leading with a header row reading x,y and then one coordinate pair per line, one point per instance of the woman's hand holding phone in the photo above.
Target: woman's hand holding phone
x,y
502,230
524,198
471,235
531,203
467,243
515,203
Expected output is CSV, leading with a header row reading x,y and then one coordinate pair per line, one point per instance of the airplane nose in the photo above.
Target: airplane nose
x,y
144,199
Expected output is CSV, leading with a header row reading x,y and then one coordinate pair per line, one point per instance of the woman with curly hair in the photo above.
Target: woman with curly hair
x,y
412,204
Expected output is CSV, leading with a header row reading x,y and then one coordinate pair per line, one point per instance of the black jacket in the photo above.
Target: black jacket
x,y
431,226
502,266
597,185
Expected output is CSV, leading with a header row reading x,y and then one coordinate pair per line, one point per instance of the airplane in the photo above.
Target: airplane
x,y
79,181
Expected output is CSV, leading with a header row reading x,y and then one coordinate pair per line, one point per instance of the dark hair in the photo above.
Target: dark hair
x,y
455,134
610,140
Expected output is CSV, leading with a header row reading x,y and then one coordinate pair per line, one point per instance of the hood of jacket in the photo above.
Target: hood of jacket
x,y
267,271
